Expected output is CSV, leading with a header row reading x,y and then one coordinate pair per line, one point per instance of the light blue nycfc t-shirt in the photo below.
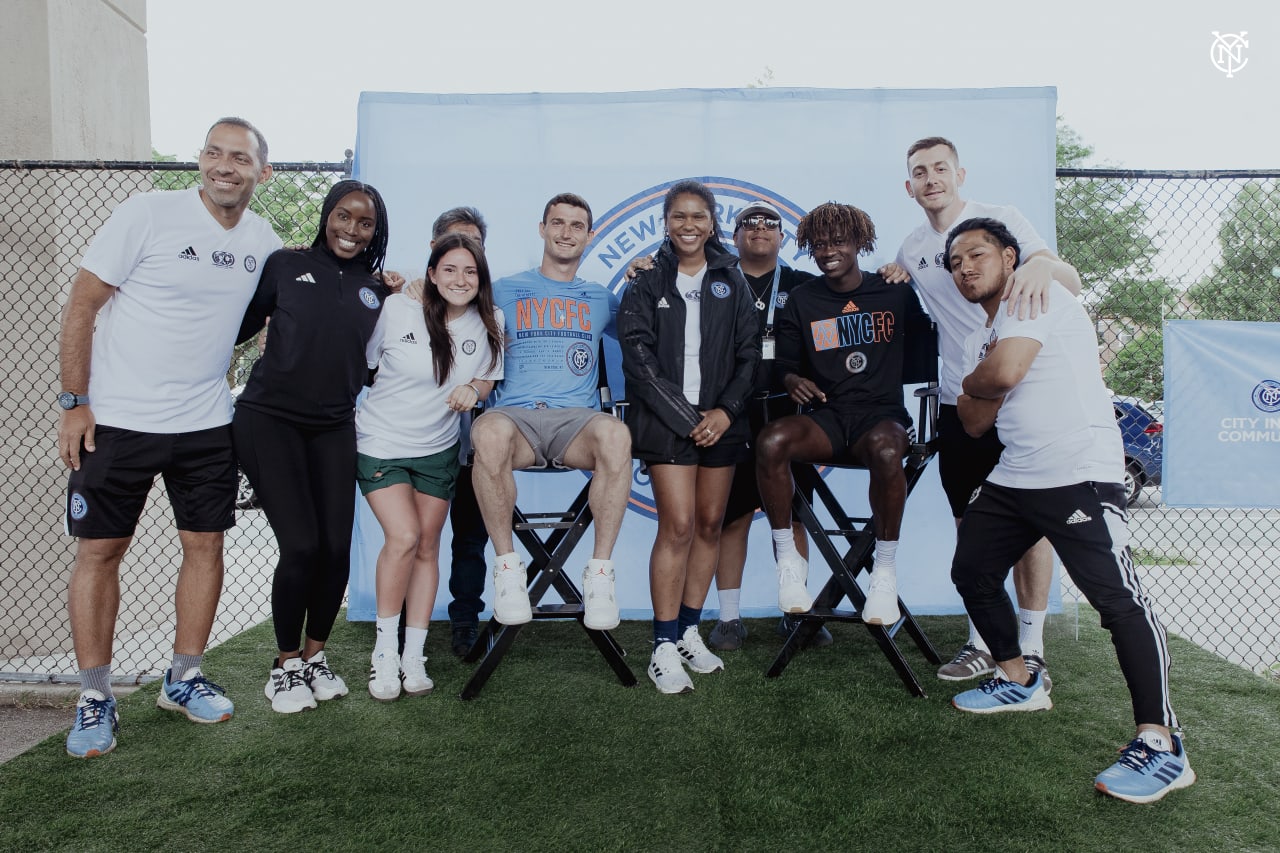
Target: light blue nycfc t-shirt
x,y
552,331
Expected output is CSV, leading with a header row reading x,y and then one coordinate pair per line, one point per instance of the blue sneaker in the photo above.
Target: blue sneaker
x,y
998,694
94,731
196,696
1144,774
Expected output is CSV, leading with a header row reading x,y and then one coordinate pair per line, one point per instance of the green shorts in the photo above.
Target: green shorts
x,y
435,475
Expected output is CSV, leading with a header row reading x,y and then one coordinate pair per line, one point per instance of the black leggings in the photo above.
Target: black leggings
x,y
305,479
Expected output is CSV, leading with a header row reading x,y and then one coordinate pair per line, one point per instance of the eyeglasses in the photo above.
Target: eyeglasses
x,y
760,222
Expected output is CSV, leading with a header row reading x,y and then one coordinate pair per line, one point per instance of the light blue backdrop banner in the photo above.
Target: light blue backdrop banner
x,y
796,148
1222,414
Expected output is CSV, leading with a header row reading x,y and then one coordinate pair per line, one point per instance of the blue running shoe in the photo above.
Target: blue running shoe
x,y
1144,774
998,694
94,731
196,696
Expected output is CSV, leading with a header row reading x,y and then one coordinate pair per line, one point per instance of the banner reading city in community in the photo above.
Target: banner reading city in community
x,y
1222,414
795,148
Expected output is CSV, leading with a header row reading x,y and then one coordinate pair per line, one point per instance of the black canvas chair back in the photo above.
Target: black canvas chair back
x,y
847,547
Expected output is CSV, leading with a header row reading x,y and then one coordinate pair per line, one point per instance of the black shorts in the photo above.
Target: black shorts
x,y
719,455
844,425
964,462
744,494
106,496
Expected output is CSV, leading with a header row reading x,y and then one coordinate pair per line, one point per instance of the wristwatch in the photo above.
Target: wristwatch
x,y
69,400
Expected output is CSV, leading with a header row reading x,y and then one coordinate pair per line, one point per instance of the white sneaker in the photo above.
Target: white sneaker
x,y
324,682
384,676
599,605
511,595
416,680
882,599
666,671
287,688
695,653
793,575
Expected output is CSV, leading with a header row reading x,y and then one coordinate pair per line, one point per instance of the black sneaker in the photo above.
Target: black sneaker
x,y
820,640
464,637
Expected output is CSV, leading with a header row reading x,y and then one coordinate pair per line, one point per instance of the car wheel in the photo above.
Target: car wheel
x,y
246,497
1132,483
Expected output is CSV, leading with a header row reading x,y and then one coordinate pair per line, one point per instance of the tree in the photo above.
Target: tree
x,y
1138,369
1245,283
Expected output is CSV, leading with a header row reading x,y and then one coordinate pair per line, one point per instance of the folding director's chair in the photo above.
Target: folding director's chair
x,y
858,534
550,538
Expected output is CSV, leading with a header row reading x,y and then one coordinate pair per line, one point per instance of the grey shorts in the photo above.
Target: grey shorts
x,y
548,431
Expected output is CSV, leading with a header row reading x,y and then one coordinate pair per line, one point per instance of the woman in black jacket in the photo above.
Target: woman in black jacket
x,y
294,426
690,350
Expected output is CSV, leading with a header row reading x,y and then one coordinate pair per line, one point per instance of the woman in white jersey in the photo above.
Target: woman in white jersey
x,y
690,347
434,361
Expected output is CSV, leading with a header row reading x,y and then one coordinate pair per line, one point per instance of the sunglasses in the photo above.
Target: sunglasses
x,y
759,221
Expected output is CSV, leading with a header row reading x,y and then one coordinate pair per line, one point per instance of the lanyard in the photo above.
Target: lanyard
x,y
773,299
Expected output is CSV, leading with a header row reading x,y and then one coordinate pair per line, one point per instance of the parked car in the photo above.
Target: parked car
x,y
1143,437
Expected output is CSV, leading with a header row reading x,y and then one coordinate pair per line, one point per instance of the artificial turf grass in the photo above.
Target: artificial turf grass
x,y
555,754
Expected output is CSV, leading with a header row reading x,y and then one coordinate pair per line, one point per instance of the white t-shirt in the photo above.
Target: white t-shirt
x,y
164,339
405,415
957,318
690,289
1057,425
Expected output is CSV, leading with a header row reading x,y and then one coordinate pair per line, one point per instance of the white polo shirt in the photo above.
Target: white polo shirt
x,y
164,339
957,318
405,414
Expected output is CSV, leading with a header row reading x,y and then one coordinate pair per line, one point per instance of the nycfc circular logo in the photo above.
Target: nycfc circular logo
x,y
79,509
781,301
250,263
579,359
1227,52
469,347
633,228
937,260
856,362
1266,396
369,298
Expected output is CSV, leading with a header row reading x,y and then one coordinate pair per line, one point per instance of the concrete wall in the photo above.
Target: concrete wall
x,y
75,80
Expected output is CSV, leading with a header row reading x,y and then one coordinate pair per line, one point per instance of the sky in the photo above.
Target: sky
x,y
1137,81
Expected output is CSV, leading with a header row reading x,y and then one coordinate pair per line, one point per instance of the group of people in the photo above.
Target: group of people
x,y
1030,455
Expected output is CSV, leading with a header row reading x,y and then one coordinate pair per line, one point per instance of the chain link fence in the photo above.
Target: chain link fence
x,y
1150,246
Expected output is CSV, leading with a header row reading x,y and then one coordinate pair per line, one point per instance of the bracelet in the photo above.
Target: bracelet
x,y
474,388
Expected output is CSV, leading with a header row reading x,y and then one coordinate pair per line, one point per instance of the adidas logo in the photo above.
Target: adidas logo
x,y
1078,517
409,339
307,277
189,254
849,308
662,302
923,264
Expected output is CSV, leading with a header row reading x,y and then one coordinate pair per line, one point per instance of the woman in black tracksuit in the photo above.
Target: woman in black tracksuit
x,y
690,349
294,426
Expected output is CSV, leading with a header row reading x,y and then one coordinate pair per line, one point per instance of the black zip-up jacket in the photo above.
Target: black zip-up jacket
x,y
323,311
651,331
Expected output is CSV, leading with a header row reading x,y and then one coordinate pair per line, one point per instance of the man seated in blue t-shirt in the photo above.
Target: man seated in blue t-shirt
x,y
546,411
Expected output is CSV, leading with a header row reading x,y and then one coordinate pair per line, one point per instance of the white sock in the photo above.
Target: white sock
x,y
511,561
1031,631
388,634
887,557
415,640
594,565
729,601
784,542
975,639
1156,741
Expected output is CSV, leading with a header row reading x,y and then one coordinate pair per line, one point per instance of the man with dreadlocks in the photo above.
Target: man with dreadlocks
x,y
839,354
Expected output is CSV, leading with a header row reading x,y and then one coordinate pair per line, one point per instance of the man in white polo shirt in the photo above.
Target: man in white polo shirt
x,y
166,280
934,181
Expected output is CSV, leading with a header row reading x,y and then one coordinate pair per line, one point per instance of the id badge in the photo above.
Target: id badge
x,y
767,349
